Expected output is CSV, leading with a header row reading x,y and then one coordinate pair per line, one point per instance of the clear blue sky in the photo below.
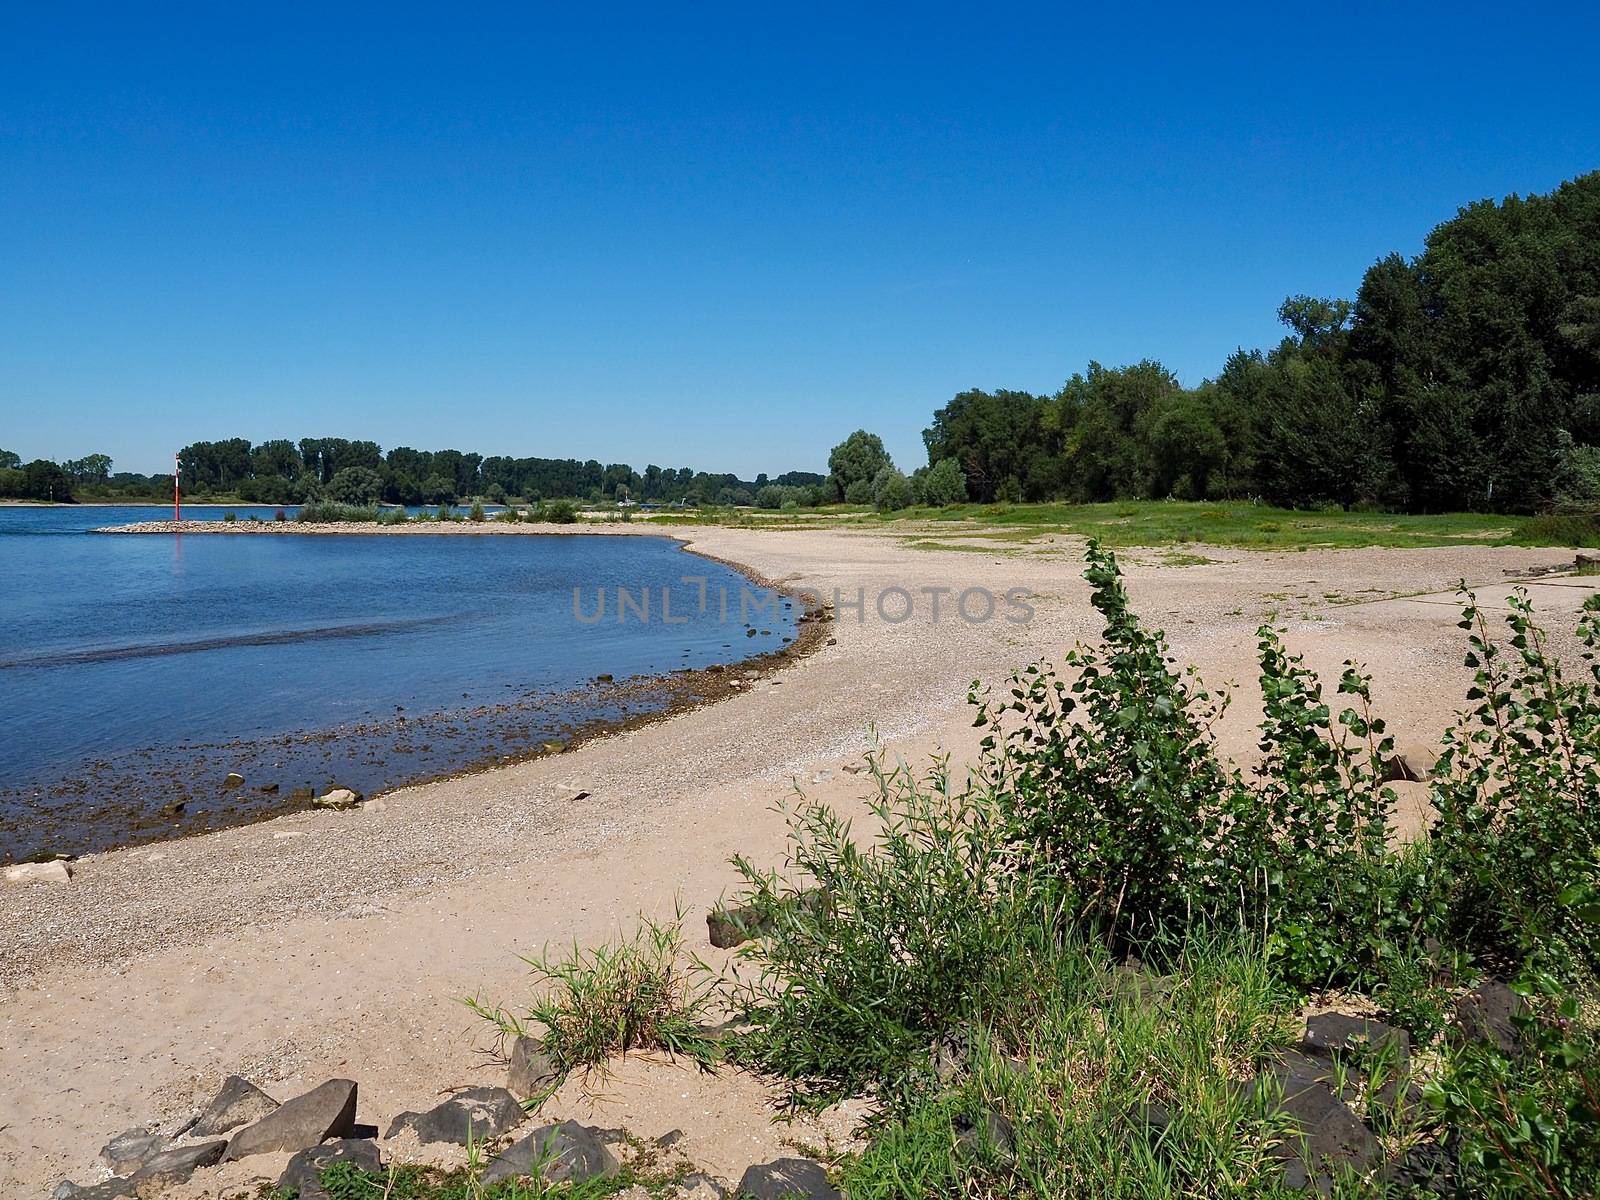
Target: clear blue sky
x,y
707,235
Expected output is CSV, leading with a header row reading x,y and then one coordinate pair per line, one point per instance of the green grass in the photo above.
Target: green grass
x,y
1171,522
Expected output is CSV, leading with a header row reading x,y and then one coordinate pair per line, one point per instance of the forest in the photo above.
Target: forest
x,y
1464,379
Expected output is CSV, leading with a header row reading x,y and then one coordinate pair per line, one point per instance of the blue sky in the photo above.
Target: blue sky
x,y
707,235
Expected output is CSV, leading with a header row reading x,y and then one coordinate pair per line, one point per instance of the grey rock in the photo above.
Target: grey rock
x,y
326,1111
991,1133
786,1178
697,1185
39,872
237,1102
131,1149
565,1152
1292,1071
670,1138
1328,1140
176,1165
1339,1034
233,780
1486,1014
338,797
1427,1166
303,1175
530,1069
472,1115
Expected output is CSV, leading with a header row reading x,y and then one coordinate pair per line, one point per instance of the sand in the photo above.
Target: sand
x,y
341,944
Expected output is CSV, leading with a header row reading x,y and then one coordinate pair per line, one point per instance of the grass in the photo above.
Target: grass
x,y
635,994
1238,524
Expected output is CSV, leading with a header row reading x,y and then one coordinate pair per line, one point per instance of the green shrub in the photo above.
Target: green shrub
x,y
319,511
476,513
558,512
633,994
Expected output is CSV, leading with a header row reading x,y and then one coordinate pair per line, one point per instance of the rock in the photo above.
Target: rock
x,y
1427,1166
670,1138
565,1152
37,872
854,768
338,797
1486,1014
991,1132
233,780
785,1178
131,1149
729,927
531,1071
1295,1070
269,789
1412,762
284,835
472,1115
326,1111
697,1185
1336,1034
237,1103
174,1166
822,776
302,794
374,806
1329,1138
303,1175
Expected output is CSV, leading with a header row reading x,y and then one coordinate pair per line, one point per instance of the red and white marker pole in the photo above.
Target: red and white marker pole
x,y
177,502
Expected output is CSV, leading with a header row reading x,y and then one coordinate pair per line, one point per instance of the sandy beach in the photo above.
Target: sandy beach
x,y
340,944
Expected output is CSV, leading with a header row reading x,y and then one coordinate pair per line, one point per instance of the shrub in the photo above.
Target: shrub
x,y
558,512
633,994
476,513
891,490
945,483
1560,529
318,511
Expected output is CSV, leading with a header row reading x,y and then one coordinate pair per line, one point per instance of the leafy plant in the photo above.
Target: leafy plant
x,y
633,994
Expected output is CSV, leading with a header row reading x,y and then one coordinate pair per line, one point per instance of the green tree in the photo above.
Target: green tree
x,y
944,483
355,485
891,490
854,464
10,460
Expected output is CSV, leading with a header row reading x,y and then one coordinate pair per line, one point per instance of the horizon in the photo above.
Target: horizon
x,y
723,246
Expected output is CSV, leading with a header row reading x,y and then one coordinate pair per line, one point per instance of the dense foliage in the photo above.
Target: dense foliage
x,y
1466,379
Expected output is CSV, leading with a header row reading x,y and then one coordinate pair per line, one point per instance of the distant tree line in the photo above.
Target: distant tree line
x,y
359,472
1465,378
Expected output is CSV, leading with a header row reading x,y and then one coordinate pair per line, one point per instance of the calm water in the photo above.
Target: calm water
x,y
136,671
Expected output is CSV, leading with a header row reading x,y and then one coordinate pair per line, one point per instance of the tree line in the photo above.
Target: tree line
x,y
1466,378
348,471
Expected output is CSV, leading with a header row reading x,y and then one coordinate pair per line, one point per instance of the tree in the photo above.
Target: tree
x,y
355,485
944,483
10,460
891,490
855,463
44,480
439,489
91,470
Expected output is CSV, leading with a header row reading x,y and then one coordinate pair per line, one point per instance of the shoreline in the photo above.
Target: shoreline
x,y
339,944
668,694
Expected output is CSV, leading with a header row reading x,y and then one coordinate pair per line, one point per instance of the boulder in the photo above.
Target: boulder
x,y
1486,1014
233,780
131,1149
1336,1034
989,1133
338,797
785,1178
730,927
326,1111
531,1070
237,1103
1411,762
472,1115
39,872
172,1167
1328,1138
303,1175
567,1152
